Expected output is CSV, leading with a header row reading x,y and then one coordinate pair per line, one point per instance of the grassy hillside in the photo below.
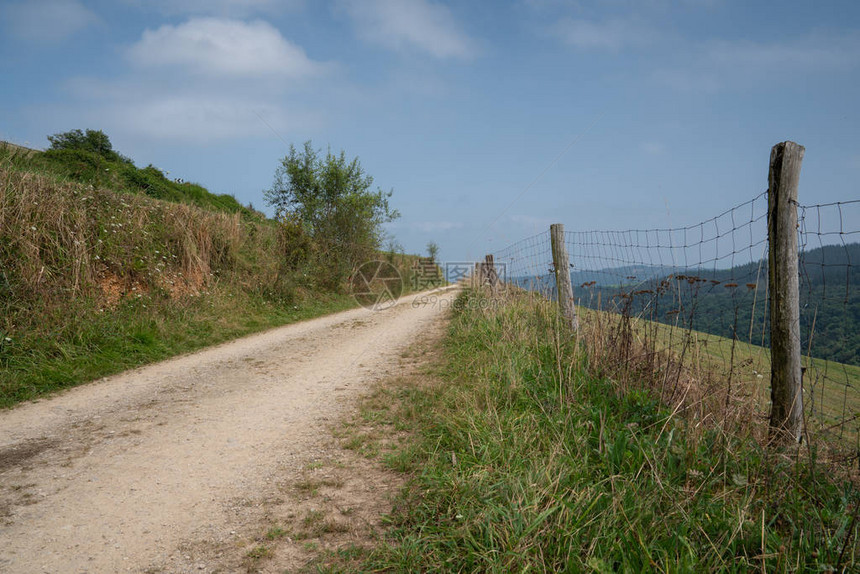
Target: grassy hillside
x,y
95,281
115,172
729,374
526,458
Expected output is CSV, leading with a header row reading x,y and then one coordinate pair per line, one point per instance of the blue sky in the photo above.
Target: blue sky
x,y
489,120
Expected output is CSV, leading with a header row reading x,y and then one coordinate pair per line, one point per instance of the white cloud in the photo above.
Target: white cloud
x,y
227,79
196,118
46,21
609,36
230,8
719,65
223,47
417,24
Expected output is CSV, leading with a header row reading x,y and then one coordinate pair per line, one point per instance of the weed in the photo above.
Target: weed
x,y
313,518
275,532
311,487
258,553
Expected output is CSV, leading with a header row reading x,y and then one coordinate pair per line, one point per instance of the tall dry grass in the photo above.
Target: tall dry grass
x,y
93,281
714,382
61,242
722,389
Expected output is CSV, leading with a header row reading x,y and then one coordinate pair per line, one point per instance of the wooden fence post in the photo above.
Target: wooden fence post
x,y
490,275
561,263
786,390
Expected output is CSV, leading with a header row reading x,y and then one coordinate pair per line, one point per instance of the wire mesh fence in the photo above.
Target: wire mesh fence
x,y
528,263
686,310
828,237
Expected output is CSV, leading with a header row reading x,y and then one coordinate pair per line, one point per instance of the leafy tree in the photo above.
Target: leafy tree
x,y
331,198
432,250
94,141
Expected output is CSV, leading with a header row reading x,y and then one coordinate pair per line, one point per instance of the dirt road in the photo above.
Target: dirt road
x,y
123,474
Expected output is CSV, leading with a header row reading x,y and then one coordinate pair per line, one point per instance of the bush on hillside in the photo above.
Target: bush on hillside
x,y
93,141
88,157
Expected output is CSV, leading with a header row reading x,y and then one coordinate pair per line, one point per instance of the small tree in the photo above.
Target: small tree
x,y
432,251
393,248
332,200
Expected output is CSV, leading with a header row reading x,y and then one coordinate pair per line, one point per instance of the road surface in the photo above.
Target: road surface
x,y
124,473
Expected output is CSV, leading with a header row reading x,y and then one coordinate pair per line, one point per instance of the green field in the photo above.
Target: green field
x,y
831,390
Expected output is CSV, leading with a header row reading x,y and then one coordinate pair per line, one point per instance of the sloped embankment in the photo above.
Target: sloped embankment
x,y
94,281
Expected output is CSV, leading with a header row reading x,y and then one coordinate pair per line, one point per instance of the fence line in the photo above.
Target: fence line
x,y
695,302
829,308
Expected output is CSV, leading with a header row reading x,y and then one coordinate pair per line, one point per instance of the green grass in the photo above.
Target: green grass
x,y
524,461
92,169
275,532
832,390
89,345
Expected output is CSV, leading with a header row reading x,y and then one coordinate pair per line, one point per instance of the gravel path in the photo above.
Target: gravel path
x,y
122,474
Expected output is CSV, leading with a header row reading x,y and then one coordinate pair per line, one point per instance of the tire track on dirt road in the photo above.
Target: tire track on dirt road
x,y
117,475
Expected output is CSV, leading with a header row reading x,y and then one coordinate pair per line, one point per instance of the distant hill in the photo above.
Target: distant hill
x,y
733,302
621,275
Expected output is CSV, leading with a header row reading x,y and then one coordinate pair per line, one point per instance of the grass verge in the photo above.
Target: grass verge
x,y
729,375
523,461
88,344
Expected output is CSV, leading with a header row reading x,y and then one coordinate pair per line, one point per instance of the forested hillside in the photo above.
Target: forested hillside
x,y
733,302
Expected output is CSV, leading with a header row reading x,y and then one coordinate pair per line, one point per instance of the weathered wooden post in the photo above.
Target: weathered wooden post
x,y
490,275
786,386
561,262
